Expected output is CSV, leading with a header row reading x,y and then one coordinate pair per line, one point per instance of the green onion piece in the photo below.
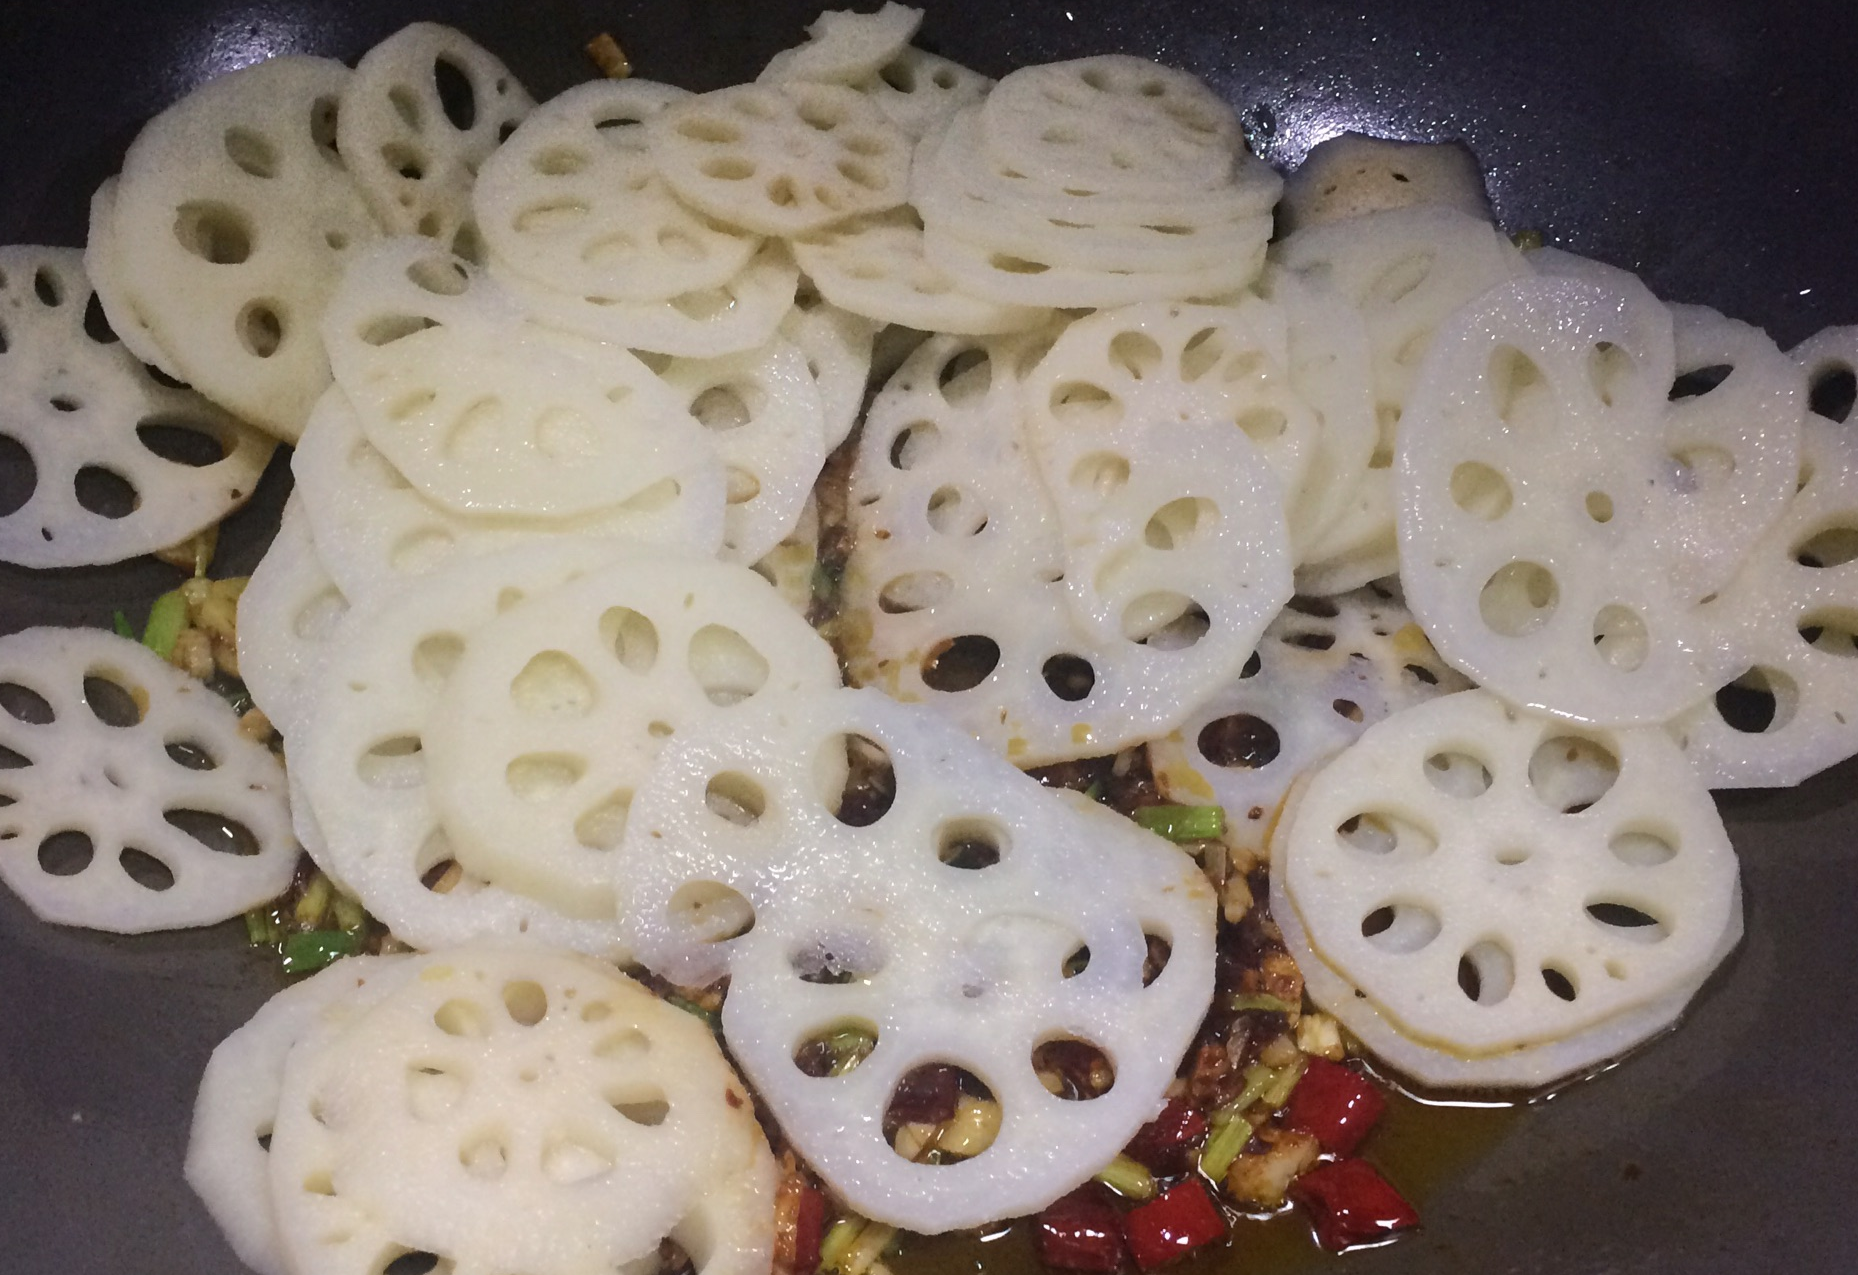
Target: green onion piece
x,y
313,904
1095,791
1527,240
1277,1093
123,628
349,915
166,619
1128,1178
1183,823
260,928
691,1007
825,584
311,950
850,1046
1239,1002
1223,1147
839,1241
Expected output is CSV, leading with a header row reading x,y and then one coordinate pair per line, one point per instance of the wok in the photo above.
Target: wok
x,y
1706,143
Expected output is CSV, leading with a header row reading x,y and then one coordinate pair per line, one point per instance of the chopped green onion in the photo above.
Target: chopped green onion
x,y
1128,1178
1277,1093
850,1046
1183,823
1239,1002
1095,791
311,950
691,1007
313,903
1224,1146
166,619
349,915
123,628
825,583
839,1241
261,928
1527,240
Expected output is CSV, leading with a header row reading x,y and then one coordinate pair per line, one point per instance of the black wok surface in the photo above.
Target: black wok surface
x,y
1709,145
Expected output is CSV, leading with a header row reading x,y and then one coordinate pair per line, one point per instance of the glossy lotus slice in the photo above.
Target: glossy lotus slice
x,y
1326,670
782,159
1532,1067
515,1110
837,346
120,464
1405,271
484,412
374,531
765,420
954,592
1167,436
100,265
228,1153
233,219
1493,880
362,767
954,910
918,91
557,712
133,803
874,266
287,615
741,314
424,108
1329,368
1788,617
1354,175
792,566
1114,123
1540,495
844,47
573,202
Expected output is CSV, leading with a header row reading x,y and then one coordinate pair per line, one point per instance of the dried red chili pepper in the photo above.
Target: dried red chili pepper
x,y
1082,1231
1168,1144
1335,1103
1350,1204
1172,1225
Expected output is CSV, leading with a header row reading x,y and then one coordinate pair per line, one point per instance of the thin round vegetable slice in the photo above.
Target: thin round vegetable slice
x,y
844,47
241,217
556,714
287,615
424,108
837,345
119,464
954,911
1494,880
511,1110
918,91
132,801
573,202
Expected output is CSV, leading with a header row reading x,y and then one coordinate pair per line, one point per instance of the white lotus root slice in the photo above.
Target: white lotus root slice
x,y
241,217
516,1110
1531,1067
918,91
1405,271
484,412
875,266
424,108
954,590
952,962
228,1159
100,251
1352,175
573,202
844,47
1492,879
1326,670
1114,123
287,615
792,566
1537,487
133,803
1166,436
87,413
1788,616
782,159
837,346
765,420
557,713
374,531
708,323
362,766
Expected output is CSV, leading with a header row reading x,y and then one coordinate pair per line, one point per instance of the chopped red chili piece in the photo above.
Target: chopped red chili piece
x,y
1172,1225
1335,1103
925,1095
809,1229
1082,1231
1168,1144
1350,1204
